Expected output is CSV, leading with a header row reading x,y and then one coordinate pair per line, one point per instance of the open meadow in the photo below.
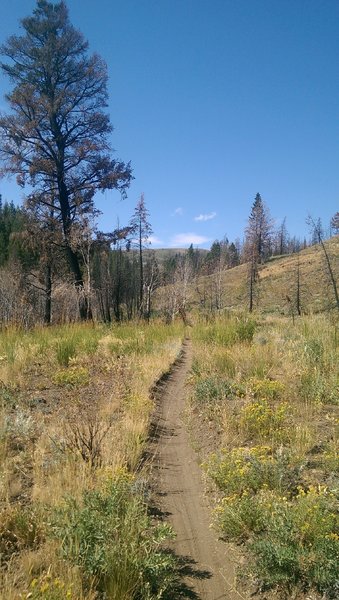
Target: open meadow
x,y
262,411
264,416
75,408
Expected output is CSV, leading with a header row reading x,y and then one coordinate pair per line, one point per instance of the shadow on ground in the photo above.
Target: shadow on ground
x,y
186,567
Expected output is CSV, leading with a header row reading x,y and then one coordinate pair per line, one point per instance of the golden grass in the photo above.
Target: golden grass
x,y
275,397
302,358
43,407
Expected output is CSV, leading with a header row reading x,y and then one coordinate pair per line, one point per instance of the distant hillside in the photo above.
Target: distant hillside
x,y
277,283
162,254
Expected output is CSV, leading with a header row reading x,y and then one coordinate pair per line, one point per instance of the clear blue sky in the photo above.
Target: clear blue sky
x,y
214,101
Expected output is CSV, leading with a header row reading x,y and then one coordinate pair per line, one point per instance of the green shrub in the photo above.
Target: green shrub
x,y
260,420
20,430
293,542
239,516
212,389
300,545
250,469
245,330
269,389
216,388
112,539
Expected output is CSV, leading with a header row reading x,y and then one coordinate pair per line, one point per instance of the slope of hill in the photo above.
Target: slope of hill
x,y
276,290
163,254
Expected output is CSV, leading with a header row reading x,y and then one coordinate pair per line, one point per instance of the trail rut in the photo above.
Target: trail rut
x,y
208,572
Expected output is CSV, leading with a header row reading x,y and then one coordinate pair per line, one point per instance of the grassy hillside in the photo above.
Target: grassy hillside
x,y
277,280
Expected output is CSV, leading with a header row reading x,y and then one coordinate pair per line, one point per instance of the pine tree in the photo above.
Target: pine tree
x,y
335,222
259,230
56,137
258,242
141,230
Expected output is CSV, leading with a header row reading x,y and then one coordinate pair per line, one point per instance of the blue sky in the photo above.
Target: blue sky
x,y
214,101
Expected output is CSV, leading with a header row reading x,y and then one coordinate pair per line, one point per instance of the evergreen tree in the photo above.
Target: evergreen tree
x,y
13,221
259,231
194,258
233,255
258,242
141,230
335,222
56,137
151,283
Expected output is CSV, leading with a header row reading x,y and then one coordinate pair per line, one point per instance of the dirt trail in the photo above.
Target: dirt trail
x,y
179,495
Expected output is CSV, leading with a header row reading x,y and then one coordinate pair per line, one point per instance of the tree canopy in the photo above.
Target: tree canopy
x,y
56,137
259,231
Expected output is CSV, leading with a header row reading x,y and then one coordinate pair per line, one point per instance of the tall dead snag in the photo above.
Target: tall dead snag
x,y
56,137
317,233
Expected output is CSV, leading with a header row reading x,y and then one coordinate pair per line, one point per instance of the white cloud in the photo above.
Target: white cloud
x,y
155,241
178,212
186,239
206,217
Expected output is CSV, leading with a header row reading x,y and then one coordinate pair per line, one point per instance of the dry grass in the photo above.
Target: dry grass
x,y
74,413
270,407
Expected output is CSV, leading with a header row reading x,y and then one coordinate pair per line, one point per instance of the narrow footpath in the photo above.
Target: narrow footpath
x,y
208,573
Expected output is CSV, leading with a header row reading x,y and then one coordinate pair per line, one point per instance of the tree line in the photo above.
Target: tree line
x,y
55,139
121,272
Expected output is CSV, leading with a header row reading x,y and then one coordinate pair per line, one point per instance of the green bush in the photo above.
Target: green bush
x,y
269,389
301,543
261,420
250,469
245,330
212,389
112,539
293,542
239,516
